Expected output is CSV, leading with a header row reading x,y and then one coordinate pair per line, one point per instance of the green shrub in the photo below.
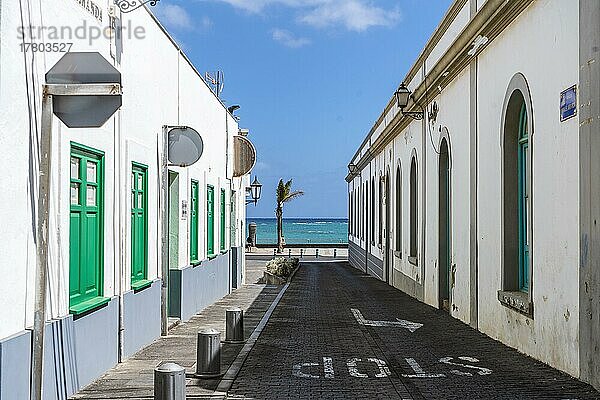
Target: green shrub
x,y
282,267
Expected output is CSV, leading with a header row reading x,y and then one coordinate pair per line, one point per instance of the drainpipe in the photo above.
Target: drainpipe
x,y
119,279
230,257
119,286
164,223
43,220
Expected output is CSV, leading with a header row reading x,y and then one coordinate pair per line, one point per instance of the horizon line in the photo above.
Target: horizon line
x,y
247,217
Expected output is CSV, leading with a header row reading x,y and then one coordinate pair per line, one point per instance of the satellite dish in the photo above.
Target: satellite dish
x,y
185,146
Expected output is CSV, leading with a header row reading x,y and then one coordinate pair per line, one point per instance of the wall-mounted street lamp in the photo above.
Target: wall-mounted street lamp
x,y
254,191
402,97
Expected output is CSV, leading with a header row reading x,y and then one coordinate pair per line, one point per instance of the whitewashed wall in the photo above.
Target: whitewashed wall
x,y
454,116
542,44
160,88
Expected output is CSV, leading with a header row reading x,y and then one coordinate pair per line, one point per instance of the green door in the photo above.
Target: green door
x,y
210,220
523,168
222,204
86,229
139,226
232,221
194,206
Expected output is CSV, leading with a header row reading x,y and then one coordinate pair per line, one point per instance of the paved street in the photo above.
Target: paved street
x,y
339,334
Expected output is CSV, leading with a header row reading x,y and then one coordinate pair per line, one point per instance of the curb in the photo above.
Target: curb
x,y
234,369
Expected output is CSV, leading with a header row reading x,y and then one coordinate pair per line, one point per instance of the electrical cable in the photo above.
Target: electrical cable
x,y
426,114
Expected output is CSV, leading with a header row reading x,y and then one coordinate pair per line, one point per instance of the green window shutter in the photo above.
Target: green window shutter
x,y
86,228
194,208
139,226
210,220
222,241
523,168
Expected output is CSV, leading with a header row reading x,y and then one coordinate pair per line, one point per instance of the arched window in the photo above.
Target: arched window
x,y
399,210
366,213
413,208
372,210
351,223
355,209
360,211
380,236
516,171
350,213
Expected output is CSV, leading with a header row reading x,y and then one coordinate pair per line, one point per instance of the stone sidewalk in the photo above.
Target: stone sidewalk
x,y
134,378
339,334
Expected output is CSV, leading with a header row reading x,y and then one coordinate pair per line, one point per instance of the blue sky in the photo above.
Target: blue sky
x,y
311,77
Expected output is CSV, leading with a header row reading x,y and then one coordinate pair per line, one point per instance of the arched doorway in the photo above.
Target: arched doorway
x,y
387,247
444,227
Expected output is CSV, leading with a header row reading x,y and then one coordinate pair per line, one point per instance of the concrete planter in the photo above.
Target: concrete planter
x,y
271,279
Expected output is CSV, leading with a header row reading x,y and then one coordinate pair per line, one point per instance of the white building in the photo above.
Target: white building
x,y
488,207
104,282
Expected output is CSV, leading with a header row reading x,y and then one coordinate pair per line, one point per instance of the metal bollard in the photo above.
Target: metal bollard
x,y
317,253
274,253
301,253
234,333
169,382
208,356
334,253
289,253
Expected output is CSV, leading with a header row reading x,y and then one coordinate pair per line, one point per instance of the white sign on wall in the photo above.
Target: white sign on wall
x,y
184,209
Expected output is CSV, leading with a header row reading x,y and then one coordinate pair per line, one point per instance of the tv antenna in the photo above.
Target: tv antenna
x,y
216,81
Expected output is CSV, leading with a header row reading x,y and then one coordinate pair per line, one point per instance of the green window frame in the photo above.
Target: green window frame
x,y
223,221
139,226
194,214
86,230
232,220
523,174
210,220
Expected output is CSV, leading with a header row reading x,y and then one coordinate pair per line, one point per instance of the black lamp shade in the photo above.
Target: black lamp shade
x,y
256,188
402,96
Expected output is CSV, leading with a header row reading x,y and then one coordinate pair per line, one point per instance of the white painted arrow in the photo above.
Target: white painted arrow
x,y
399,323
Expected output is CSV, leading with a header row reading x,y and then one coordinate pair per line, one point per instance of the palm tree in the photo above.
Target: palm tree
x,y
284,195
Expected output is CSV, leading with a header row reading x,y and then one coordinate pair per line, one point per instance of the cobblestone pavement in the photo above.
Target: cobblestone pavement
x,y
314,348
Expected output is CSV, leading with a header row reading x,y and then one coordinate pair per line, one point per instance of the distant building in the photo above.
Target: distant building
x,y
104,282
488,207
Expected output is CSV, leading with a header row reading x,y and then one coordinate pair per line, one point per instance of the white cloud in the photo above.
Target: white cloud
x,y
354,15
176,17
288,39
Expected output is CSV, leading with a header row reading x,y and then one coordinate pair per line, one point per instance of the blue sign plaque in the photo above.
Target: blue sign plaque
x,y
568,103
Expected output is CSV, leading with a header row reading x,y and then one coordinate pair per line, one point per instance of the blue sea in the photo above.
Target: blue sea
x,y
301,230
